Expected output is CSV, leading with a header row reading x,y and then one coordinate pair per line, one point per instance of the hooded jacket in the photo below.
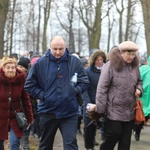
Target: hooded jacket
x,y
7,117
116,88
49,80
145,75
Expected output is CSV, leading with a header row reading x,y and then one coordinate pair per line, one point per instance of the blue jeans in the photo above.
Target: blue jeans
x,y
14,141
68,129
25,139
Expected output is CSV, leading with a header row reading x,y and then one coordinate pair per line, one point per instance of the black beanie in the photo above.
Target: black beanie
x,y
24,62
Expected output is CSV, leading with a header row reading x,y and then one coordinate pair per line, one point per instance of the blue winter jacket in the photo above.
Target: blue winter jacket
x,y
49,80
93,75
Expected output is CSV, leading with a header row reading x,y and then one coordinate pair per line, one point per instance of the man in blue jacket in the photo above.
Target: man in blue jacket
x,y
49,80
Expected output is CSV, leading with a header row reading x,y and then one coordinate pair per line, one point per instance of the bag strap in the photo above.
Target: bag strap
x,y
9,98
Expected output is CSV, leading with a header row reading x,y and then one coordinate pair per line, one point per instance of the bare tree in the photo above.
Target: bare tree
x,y
146,16
47,7
38,28
110,24
4,5
120,11
30,39
12,25
93,25
68,27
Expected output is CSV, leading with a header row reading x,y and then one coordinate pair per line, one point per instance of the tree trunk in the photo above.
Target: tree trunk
x,y
46,18
12,25
38,28
128,20
4,4
96,29
93,27
146,16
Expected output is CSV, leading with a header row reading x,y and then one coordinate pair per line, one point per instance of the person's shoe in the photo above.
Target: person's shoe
x,y
137,137
96,143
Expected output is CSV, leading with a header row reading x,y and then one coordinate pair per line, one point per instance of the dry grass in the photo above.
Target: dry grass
x,y
33,143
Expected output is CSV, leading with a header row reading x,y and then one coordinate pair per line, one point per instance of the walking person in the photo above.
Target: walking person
x,y
93,71
12,87
49,80
145,74
23,65
117,89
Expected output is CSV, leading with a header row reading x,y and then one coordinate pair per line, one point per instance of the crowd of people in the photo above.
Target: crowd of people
x,y
110,83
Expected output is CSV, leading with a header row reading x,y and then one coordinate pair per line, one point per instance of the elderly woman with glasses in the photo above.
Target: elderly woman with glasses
x,y
117,89
12,87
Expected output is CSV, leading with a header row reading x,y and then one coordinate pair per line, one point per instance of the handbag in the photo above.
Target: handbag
x,y
21,119
139,114
20,116
95,116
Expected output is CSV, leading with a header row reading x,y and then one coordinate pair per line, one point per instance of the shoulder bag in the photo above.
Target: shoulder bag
x,y
20,116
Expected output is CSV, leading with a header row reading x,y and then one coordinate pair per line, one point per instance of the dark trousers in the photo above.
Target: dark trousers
x,y
89,136
117,132
79,122
68,129
89,130
1,145
138,127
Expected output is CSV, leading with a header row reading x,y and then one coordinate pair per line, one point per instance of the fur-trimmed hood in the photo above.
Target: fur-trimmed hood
x,y
117,61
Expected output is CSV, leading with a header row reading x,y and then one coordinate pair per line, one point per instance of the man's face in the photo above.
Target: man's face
x,y
57,47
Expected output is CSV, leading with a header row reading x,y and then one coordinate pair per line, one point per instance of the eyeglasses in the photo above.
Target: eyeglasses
x,y
130,54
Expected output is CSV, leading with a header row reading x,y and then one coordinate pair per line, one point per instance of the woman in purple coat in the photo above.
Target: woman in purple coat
x,y
117,89
12,86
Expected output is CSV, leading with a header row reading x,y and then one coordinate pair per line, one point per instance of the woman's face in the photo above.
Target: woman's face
x,y
128,57
23,69
9,70
99,61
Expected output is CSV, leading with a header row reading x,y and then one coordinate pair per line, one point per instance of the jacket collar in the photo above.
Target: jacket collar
x,y
66,55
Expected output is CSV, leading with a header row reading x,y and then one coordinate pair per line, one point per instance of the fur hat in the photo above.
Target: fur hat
x,y
128,46
24,62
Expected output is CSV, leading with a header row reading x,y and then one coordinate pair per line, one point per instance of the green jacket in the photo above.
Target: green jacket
x,y
145,75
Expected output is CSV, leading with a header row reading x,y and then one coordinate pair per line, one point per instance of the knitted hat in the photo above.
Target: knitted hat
x,y
34,59
128,46
14,55
24,62
84,61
